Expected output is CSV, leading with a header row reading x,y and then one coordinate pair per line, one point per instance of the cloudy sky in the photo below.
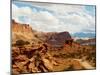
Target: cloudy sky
x,y
55,17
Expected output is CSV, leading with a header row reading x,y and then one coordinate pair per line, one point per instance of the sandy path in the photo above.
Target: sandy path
x,y
85,64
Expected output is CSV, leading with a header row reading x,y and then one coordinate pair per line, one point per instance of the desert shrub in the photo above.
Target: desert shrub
x,y
60,55
21,42
36,35
56,56
26,42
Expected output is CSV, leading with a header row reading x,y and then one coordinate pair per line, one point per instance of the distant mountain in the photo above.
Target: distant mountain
x,y
86,42
84,35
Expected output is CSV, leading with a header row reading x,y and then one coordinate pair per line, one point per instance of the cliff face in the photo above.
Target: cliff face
x,y
23,28
21,31
58,39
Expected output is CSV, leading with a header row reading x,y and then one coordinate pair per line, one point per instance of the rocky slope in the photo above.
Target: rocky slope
x,y
25,32
22,32
38,56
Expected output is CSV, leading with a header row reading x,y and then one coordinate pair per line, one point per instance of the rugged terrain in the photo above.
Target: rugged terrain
x,y
34,51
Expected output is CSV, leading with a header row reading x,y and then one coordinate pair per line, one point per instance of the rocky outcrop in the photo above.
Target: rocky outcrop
x,y
21,31
17,27
59,39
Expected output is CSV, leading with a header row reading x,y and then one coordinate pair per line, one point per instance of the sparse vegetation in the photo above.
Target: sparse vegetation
x,y
21,43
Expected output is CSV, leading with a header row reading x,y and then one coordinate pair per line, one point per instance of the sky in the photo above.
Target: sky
x,y
51,17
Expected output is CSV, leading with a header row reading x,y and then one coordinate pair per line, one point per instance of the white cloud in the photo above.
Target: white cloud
x,y
62,18
18,12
